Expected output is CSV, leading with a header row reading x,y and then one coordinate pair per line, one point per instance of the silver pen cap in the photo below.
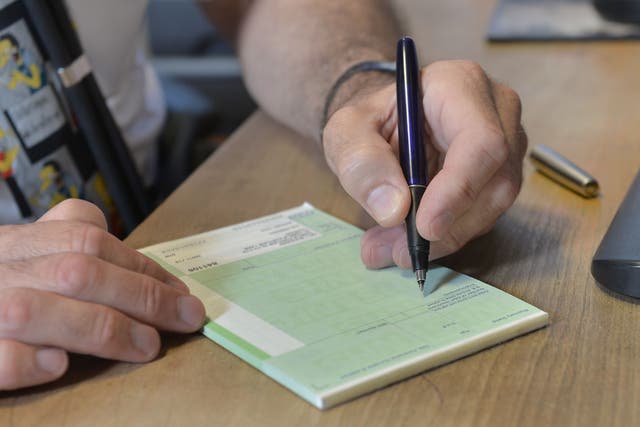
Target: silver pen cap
x,y
563,171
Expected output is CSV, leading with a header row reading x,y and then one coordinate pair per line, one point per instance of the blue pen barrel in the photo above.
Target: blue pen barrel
x,y
412,149
411,133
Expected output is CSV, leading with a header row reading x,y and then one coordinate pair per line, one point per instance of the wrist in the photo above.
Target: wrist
x,y
359,87
355,83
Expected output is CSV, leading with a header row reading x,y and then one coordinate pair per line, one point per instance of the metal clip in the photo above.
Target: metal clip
x,y
75,72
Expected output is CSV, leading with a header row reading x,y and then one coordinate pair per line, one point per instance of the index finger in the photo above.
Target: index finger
x,y
461,112
57,237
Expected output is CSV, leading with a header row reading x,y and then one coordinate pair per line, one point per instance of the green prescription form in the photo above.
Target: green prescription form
x,y
289,294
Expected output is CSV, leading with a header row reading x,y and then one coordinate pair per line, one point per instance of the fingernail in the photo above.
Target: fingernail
x,y
51,360
145,339
191,311
441,224
383,202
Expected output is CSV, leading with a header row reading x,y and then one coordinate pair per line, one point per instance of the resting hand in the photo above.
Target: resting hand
x,y
67,285
476,147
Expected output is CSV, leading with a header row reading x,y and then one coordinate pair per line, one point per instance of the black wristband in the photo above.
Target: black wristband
x,y
381,66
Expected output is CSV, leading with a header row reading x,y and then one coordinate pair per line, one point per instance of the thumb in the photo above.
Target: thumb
x,y
365,163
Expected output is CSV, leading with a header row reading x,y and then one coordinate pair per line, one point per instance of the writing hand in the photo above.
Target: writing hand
x,y
475,150
67,285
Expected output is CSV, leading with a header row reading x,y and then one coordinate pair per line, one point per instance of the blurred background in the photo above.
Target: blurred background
x,y
207,99
201,78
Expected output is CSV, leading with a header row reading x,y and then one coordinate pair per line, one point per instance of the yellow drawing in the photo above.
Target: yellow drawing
x,y
101,189
28,74
6,160
54,180
7,50
34,81
7,157
113,219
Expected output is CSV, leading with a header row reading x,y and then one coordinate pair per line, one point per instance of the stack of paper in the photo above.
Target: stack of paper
x,y
289,294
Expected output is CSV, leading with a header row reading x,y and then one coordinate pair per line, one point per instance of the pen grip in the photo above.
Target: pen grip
x,y
418,246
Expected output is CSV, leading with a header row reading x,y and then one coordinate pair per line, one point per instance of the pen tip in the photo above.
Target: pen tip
x,y
421,285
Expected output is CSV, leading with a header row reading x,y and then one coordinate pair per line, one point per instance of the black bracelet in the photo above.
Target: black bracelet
x,y
382,66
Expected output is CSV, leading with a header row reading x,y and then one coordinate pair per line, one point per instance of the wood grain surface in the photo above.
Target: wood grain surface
x,y
582,99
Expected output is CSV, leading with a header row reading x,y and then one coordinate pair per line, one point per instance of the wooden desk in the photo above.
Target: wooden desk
x,y
579,98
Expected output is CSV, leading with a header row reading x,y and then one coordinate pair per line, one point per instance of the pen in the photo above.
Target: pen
x,y
412,150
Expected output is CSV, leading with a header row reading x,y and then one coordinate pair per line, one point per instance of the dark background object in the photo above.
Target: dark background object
x,y
102,134
202,82
552,20
627,11
616,263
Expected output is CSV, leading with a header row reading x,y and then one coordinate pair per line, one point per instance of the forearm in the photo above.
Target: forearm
x,y
292,51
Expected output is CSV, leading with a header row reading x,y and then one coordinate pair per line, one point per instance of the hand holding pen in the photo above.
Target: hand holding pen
x,y
475,147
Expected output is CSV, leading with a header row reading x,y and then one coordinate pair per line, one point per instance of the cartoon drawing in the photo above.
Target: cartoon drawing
x,y
116,226
56,184
7,159
23,69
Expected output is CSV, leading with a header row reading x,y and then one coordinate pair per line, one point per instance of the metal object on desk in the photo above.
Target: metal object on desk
x,y
563,171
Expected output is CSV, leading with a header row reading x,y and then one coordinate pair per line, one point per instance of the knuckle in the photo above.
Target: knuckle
x,y
150,299
145,265
434,83
466,192
506,194
511,98
472,68
105,328
360,170
15,311
441,77
75,273
453,242
495,149
352,160
445,67
89,239
442,71
89,210
71,204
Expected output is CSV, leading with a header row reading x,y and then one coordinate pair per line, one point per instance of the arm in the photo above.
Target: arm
x,y
293,50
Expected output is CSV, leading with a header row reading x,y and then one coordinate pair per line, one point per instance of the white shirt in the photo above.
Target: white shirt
x,y
113,37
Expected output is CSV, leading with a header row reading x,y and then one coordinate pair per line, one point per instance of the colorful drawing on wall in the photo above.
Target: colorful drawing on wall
x,y
9,151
